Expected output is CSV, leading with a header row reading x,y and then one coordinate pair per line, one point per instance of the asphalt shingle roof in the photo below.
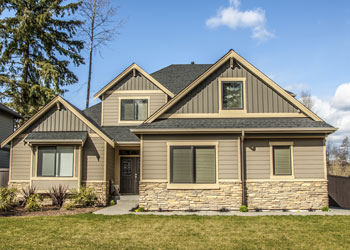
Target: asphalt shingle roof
x,y
56,136
10,111
176,77
232,123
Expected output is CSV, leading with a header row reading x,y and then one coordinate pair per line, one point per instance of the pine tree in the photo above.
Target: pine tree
x,y
37,47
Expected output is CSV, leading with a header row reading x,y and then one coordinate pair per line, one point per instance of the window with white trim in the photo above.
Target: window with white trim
x,y
55,161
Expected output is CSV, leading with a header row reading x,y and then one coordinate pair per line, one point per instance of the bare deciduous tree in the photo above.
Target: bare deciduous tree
x,y
100,27
306,99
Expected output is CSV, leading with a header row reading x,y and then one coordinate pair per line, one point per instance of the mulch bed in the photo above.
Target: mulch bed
x,y
48,211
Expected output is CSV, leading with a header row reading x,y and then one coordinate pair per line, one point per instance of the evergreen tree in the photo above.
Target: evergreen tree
x,y
36,47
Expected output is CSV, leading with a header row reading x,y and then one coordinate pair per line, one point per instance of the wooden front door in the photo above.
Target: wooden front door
x,y
129,175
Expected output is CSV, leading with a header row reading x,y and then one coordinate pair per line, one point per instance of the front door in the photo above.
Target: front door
x,y
129,175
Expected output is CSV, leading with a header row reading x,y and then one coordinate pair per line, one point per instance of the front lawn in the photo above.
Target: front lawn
x,y
88,231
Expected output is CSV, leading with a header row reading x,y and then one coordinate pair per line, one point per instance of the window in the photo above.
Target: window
x,y
55,161
232,95
282,160
193,164
134,109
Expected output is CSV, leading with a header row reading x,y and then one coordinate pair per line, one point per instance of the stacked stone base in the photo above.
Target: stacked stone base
x,y
156,196
289,195
267,195
101,190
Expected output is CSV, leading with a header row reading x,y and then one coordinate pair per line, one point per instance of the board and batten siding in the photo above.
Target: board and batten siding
x,y
6,125
260,97
93,159
111,107
56,120
154,154
20,162
308,158
139,82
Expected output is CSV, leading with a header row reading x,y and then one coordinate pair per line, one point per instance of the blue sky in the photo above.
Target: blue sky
x,y
299,44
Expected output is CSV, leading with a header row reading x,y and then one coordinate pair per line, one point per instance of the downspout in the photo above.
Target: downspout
x,y
244,202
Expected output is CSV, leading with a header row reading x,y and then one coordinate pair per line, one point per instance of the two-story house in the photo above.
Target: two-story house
x,y
7,118
194,136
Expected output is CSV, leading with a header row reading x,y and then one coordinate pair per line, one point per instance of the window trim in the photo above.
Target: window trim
x,y
148,98
223,111
282,143
34,172
193,185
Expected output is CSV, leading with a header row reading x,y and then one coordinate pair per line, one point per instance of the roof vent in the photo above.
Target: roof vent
x,y
192,62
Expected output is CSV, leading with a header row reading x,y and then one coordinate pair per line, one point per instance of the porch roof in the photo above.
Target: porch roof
x,y
56,137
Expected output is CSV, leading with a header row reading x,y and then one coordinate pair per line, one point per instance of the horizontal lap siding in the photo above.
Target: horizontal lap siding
x,y
111,107
93,159
4,158
154,158
110,162
260,97
257,154
45,185
308,159
20,162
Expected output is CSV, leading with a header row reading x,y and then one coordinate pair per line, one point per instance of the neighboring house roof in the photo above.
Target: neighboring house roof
x,y
233,57
132,67
77,136
236,123
10,111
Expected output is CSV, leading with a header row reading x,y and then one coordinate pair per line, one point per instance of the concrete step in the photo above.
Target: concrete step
x,y
129,198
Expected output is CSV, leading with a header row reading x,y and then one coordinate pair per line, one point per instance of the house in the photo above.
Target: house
x,y
196,136
7,117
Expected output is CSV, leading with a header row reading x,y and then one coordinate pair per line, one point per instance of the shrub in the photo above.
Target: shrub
x,y
58,195
69,206
325,209
84,197
7,198
243,209
140,209
112,203
27,192
33,203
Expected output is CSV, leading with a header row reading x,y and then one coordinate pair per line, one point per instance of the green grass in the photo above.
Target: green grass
x,y
90,231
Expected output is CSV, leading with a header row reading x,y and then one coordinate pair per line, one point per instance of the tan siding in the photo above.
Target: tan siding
x,y
45,185
260,97
308,158
111,107
257,159
6,125
59,120
129,82
93,159
110,162
20,163
155,154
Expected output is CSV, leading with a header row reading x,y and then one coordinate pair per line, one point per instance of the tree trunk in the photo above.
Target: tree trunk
x,y
89,78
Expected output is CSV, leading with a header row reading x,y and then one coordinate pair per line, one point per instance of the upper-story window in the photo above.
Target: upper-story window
x,y
134,109
232,95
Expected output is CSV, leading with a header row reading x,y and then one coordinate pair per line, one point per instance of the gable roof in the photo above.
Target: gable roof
x,y
232,55
132,67
176,77
10,111
89,122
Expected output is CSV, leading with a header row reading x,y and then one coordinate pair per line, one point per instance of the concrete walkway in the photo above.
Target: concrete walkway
x,y
124,208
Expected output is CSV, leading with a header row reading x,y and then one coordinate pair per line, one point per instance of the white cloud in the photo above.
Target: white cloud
x,y
297,87
336,111
234,18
